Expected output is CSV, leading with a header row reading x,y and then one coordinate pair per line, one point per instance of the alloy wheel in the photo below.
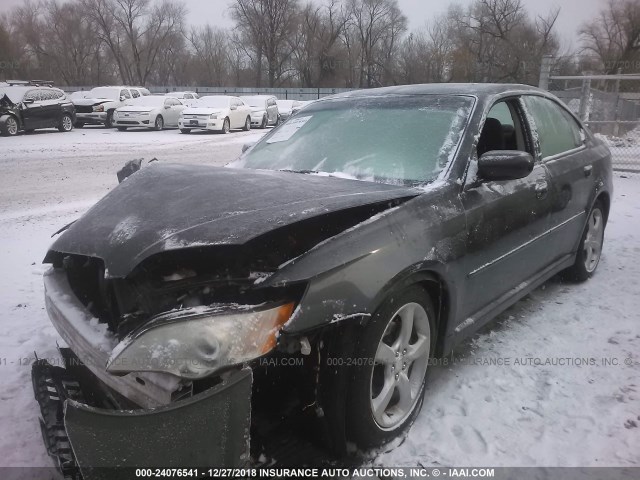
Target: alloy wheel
x,y
401,362
12,126
67,124
593,240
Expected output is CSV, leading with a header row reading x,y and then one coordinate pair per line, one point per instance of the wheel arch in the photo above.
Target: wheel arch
x,y
438,289
605,199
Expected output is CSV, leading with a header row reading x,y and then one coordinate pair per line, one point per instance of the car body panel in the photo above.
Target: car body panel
x,y
197,116
262,106
139,115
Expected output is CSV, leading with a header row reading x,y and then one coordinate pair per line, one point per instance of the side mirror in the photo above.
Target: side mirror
x,y
122,98
28,101
167,107
505,165
233,107
247,146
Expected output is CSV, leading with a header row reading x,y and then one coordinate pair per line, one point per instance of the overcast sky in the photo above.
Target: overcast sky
x,y
572,14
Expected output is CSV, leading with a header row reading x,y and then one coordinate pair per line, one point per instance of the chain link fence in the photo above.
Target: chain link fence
x,y
610,106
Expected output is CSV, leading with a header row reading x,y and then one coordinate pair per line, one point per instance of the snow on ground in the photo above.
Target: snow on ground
x,y
551,415
48,168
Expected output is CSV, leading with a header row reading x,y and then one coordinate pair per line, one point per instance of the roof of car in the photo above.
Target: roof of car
x,y
478,89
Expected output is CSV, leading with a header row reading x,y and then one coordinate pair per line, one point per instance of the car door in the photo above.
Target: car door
x,y
563,151
239,114
31,107
51,109
506,218
272,110
173,112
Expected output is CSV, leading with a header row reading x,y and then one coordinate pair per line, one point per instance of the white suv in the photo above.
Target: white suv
x,y
96,106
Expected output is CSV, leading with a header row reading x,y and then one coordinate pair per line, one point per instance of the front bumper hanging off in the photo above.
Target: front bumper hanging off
x,y
205,430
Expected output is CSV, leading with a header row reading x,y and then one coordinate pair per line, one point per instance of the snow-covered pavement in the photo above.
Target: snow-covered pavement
x,y
583,412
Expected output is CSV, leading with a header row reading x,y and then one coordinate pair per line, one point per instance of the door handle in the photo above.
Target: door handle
x,y
587,170
541,190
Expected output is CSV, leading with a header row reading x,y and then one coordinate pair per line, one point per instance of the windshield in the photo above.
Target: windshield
x,y
393,139
212,102
148,101
105,92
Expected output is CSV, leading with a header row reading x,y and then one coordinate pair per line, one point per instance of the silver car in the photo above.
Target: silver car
x,y
264,110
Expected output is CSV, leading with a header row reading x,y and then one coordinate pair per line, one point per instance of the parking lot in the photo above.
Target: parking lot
x,y
520,393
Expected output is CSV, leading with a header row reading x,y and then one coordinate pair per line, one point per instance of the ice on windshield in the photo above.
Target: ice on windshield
x,y
397,140
212,102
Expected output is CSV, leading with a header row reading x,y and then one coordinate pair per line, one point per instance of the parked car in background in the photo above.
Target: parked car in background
x,y
220,113
151,112
96,106
27,108
286,108
264,110
187,98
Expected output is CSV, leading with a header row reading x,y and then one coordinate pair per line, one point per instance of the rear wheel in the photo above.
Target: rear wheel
x,y
247,124
387,383
185,130
590,248
9,127
159,123
66,123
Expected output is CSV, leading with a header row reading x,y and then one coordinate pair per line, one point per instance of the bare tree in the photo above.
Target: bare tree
x,y
210,47
614,36
135,32
267,27
379,24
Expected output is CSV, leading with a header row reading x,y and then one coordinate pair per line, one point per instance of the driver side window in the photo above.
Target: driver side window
x,y
502,129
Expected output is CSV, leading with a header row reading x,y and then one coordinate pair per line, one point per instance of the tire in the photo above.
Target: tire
x,y
247,124
226,126
78,124
185,130
159,123
66,123
278,120
109,121
384,349
122,129
9,127
590,248
264,122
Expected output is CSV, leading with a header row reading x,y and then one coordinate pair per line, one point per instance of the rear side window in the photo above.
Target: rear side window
x,y
125,93
135,93
558,132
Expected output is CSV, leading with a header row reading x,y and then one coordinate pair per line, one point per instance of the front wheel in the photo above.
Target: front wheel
x,y
159,123
590,248
66,123
9,127
247,124
226,126
264,122
386,389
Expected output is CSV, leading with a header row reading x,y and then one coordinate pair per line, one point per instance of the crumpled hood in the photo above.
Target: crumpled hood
x,y
169,206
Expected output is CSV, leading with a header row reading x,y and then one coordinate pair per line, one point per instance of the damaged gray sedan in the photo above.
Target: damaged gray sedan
x,y
213,314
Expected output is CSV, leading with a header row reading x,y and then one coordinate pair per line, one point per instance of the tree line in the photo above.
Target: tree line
x,y
290,43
